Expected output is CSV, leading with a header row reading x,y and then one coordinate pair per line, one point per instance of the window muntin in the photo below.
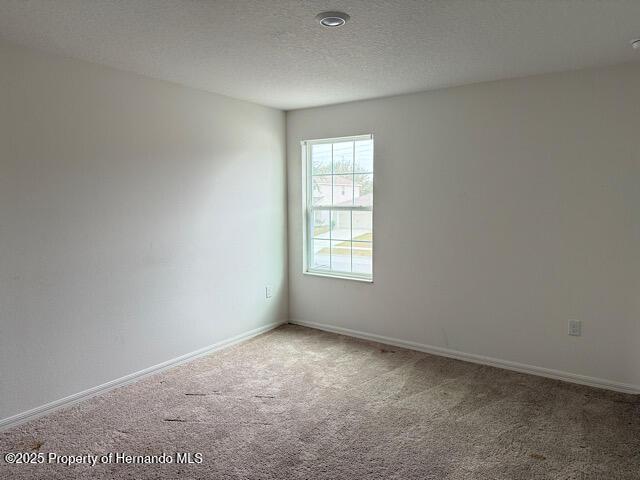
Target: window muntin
x,y
338,207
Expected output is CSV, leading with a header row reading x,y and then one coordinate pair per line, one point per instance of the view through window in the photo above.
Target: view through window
x,y
339,207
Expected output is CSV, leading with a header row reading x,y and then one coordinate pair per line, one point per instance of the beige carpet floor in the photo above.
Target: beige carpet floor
x,y
303,404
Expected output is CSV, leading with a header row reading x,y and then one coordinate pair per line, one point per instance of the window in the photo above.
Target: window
x,y
338,207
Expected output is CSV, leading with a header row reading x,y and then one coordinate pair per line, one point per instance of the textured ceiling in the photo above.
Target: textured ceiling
x,y
273,51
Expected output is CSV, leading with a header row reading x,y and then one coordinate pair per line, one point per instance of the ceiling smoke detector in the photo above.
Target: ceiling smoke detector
x,y
332,19
636,44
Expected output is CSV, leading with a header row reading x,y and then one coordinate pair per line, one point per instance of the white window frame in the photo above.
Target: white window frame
x,y
308,209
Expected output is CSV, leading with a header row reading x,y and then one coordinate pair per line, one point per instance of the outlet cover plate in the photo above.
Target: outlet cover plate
x,y
575,328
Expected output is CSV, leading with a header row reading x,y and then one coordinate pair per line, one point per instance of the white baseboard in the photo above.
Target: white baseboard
x,y
470,357
132,377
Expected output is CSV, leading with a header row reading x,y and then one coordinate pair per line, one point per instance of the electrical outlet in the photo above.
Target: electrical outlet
x,y
575,328
268,291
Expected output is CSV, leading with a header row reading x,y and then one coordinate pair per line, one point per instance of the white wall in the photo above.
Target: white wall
x,y
139,221
502,210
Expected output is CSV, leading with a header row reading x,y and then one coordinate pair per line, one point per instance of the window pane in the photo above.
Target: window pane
x,y
363,257
363,226
341,256
363,190
343,157
321,159
364,156
340,225
343,190
321,190
320,259
321,224
340,178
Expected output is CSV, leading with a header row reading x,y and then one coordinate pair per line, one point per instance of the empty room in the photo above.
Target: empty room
x,y
315,239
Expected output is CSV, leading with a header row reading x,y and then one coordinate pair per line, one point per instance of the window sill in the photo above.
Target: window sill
x,y
339,276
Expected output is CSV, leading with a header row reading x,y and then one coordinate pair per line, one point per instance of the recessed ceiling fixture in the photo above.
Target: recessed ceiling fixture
x,y
636,44
332,19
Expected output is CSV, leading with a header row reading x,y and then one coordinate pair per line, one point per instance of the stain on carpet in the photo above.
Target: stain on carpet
x,y
37,445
